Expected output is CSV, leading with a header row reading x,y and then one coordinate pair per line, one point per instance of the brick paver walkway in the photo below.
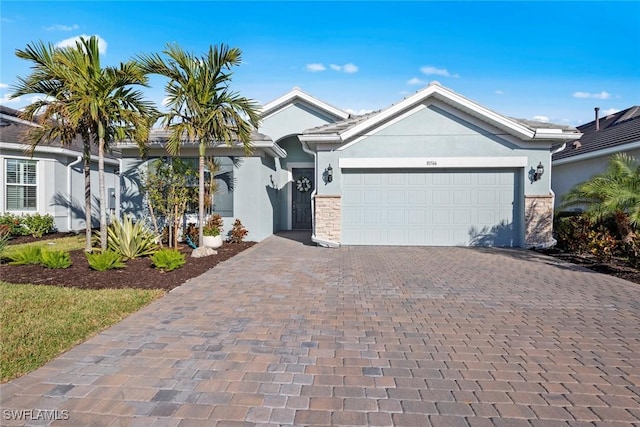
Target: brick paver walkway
x,y
291,334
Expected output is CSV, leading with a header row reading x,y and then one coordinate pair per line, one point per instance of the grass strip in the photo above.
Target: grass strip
x,y
37,323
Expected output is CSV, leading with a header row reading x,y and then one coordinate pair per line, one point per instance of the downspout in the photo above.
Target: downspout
x,y
314,239
553,241
69,188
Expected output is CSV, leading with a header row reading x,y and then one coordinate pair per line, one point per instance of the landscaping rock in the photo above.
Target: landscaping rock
x,y
203,252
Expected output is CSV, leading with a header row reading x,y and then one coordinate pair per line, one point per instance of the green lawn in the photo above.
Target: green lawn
x,y
70,243
37,323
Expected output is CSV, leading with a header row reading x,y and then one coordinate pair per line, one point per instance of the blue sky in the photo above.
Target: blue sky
x,y
551,61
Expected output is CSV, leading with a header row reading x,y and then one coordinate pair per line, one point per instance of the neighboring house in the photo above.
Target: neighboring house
x,y
52,180
435,169
577,162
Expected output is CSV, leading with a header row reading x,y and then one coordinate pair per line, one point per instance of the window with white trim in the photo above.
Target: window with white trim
x,y
21,184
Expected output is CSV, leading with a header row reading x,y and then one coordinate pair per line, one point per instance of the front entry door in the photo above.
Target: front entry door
x,y
302,188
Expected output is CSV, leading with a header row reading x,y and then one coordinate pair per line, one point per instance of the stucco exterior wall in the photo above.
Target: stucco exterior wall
x,y
292,120
434,132
565,176
53,196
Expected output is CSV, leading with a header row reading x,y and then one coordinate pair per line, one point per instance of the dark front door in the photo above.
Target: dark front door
x,y
302,188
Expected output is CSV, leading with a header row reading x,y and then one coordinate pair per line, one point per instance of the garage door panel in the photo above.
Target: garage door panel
x,y
430,207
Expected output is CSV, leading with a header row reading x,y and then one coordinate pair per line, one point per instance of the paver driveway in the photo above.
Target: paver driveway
x,y
287,333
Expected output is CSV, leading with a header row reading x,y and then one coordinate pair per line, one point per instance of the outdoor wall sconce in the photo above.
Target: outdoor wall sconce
x,y
329,173
539,172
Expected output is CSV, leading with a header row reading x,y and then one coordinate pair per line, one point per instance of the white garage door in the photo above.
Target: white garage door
x,y
446,207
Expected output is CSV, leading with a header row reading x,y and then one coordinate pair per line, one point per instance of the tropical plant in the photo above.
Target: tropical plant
x,y
213,226
238,232
168,259
614,193
4,239
106,260
131,240
28,255
202,107
83,98
168,193
55,259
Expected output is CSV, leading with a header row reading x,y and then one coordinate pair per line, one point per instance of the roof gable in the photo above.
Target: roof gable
x,y
358,126
297,95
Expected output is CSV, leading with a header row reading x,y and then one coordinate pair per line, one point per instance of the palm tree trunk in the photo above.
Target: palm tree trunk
x,y
201,196
624,227
103,204
87,196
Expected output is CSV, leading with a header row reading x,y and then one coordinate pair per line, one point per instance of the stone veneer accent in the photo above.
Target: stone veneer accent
x,y
328,217
538,221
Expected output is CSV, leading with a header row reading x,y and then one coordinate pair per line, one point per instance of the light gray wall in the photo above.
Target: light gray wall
x,y
433,132
565,176
53,196
292,120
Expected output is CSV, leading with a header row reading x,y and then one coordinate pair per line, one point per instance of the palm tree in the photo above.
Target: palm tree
x,y
613,193
202,108
51,113
98,102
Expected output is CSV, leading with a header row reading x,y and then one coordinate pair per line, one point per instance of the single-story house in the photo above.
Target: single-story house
x,y
52,180
434,169
578,161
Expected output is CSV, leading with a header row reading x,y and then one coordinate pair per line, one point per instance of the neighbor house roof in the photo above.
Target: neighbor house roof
x,y
359,125
296,94
13,132
617,132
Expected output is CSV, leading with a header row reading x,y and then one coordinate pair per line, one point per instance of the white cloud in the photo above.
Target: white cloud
x,y
499,92
610,111
433,71
3,85
59,27
350,68
71,42
543,119
416,82
346,68
315,67
584,95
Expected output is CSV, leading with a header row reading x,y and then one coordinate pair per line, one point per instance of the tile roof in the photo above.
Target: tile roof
x,y
616,130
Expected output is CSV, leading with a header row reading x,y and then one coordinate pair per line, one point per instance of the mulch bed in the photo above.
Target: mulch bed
x,y
138,273
614,267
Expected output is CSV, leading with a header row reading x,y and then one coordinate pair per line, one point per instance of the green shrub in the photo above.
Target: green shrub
x,y
56,259
572,233
27,255
131,240
168,259
238,232
14,224
38,225
103,261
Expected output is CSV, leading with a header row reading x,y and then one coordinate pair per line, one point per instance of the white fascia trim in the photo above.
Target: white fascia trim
x,y
432,162
54,150
320,138
18,120
272,148
448,97
288,98
556,134
599,153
